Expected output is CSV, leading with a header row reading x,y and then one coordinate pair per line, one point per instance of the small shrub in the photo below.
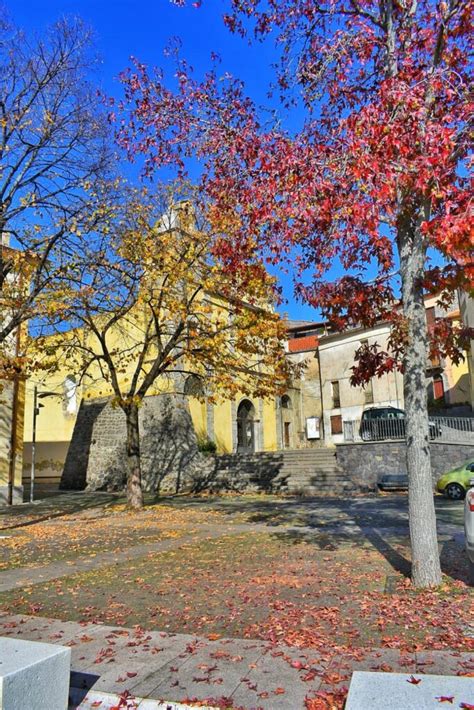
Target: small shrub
x,y
206,445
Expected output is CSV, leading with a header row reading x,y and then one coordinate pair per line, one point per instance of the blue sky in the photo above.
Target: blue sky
x,y
124,28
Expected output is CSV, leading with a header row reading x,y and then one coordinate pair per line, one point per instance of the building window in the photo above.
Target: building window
x,y
287,434
286,402
369,392
193,386
430,318
336,424
438,388
336,399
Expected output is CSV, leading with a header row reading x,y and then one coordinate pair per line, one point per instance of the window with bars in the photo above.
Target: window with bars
x,y
336,398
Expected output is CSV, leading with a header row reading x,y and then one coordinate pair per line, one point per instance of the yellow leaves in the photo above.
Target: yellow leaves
x,y
48,118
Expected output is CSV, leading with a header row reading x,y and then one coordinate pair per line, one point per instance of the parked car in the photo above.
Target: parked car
x,y
455,483
378,423
469,529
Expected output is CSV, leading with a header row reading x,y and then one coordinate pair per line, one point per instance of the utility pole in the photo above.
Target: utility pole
x,y
33,444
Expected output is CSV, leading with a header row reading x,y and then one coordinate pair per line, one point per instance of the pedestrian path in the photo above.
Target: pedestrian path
x,y
20,577
183,667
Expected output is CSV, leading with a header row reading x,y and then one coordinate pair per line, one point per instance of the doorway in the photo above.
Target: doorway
x,y
246,427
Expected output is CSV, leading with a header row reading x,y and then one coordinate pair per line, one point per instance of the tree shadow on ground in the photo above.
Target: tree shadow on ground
x,y
330,523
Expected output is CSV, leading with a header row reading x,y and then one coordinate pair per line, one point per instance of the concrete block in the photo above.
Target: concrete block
x,y
33,676
397,691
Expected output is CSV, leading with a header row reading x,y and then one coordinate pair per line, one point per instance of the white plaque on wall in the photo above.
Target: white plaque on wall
x,y
312,428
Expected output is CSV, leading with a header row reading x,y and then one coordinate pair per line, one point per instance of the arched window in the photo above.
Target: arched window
x,y
193,386
246,427
286,402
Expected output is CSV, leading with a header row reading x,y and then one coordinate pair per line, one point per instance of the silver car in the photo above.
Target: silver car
x,y
469,529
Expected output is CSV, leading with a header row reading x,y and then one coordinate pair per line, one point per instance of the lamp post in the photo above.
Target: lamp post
x,y
36,407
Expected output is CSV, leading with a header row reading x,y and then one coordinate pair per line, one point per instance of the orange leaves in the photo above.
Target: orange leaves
x,y
327,700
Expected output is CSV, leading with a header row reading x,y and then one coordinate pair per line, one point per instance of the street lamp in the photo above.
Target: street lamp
x,y
36,407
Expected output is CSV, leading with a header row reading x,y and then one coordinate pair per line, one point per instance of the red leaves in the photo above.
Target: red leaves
x,y
126,702
445,699
386,150
327,700
413,680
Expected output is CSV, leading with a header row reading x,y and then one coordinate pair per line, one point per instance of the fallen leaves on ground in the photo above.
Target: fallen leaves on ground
x,y
92,532
305,598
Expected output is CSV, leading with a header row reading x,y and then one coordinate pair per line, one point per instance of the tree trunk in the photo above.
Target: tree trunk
x,y
134,477
426,571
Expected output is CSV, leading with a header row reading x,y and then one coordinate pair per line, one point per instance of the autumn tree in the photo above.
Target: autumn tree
x,y
148,302
375,180
53,151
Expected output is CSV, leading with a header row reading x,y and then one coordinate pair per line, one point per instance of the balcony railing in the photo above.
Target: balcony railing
x,y
442,429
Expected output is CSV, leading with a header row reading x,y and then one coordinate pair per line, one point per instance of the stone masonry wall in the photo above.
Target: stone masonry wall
x,y
96,458
364,462
171,461
348,467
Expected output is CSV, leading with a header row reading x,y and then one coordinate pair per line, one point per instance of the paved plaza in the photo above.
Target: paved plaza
x,y
237,602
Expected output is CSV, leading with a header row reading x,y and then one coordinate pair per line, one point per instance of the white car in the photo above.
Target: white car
x,y
469,529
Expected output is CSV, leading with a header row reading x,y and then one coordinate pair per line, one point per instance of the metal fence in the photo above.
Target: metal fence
x,y
443,429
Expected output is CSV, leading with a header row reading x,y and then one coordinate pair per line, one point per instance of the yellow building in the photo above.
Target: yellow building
x,y
80,435
78,431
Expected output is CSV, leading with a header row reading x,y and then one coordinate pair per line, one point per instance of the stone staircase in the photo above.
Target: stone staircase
x,y
300,471
314,472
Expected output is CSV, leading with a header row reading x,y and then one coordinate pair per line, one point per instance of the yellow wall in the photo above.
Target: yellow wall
x,y
223,427
269,425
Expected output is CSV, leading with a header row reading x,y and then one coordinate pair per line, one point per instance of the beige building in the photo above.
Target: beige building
x,y
447,383
341,401
300,410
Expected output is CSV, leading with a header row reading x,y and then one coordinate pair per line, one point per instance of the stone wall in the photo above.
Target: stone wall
x,y
171,461
96,457
365,461
347,467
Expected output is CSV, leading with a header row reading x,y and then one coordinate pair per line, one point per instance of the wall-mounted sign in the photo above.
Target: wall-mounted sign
x,y
312,428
